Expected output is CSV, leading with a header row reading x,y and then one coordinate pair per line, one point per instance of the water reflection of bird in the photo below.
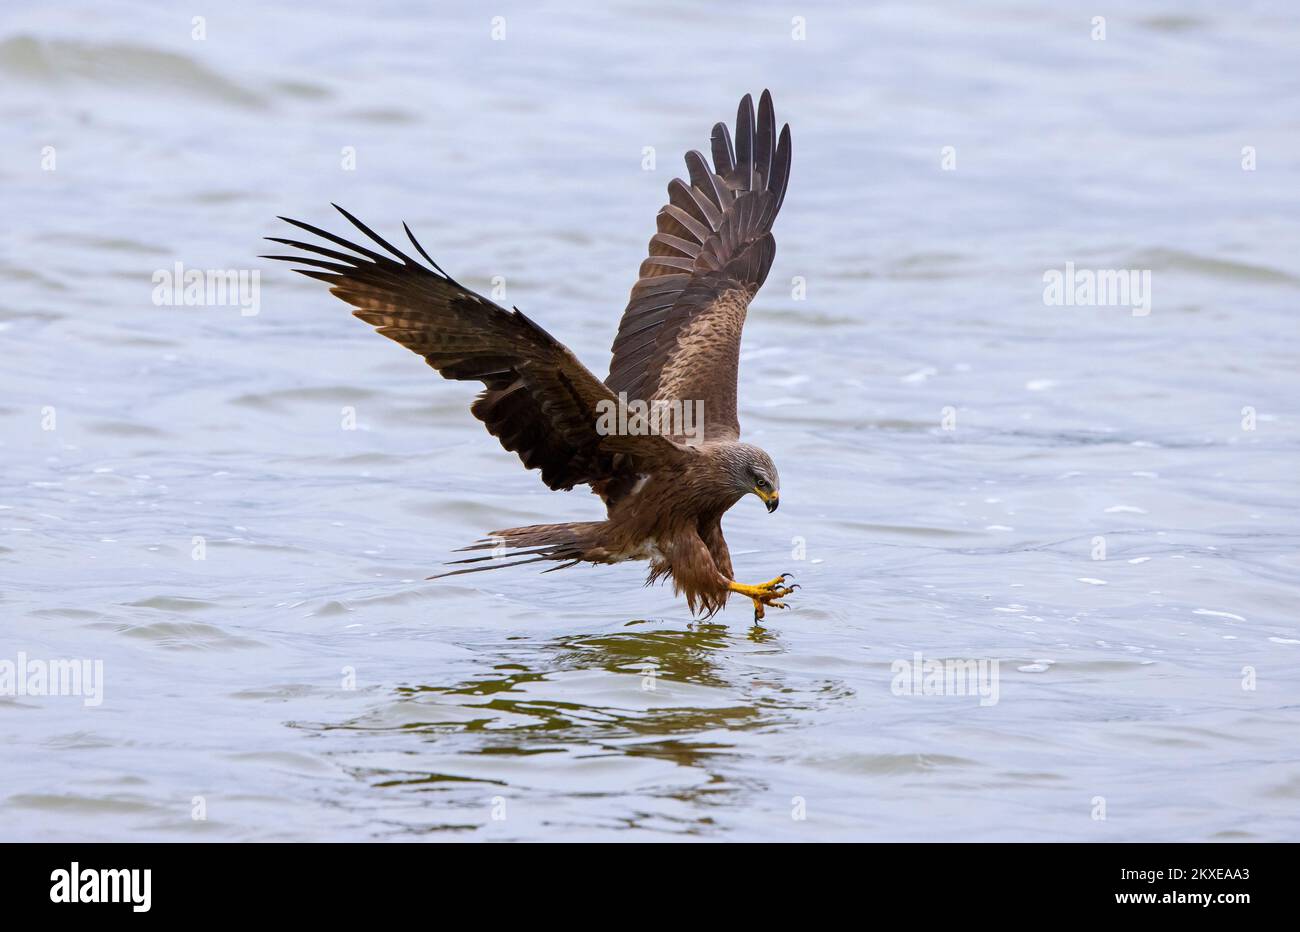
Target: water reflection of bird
x,y
665,475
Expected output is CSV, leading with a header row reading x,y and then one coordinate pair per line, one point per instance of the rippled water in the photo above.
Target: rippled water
x,y
304,681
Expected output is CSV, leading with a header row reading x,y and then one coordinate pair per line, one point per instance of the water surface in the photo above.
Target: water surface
x,y
303,681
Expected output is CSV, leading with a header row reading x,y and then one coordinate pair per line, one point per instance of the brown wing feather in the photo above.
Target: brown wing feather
x,y
539,401
679,338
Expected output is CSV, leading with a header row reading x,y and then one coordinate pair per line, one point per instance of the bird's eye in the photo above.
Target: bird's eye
x,y
762,484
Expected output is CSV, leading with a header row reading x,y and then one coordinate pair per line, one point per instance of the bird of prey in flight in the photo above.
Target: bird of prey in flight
x,y
678,343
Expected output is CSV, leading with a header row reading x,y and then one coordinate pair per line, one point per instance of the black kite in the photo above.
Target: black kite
x,y
665,486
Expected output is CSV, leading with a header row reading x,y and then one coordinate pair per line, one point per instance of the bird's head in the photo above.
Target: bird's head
x,y
753,472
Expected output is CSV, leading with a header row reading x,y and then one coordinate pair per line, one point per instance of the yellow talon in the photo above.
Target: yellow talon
x,y
764,594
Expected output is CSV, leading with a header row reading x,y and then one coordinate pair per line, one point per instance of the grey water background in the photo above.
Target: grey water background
x,y
513,705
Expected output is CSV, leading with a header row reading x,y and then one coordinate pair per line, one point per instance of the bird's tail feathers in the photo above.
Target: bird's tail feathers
x,y
568,543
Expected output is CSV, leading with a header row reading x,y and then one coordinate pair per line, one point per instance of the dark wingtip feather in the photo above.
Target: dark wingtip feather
x,y
329,278
745,141
765,137
781,168
427,258
334,267
372,234
724,155
337,240
702,178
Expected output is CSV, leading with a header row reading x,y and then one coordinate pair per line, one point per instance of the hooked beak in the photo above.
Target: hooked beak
x,y
771,499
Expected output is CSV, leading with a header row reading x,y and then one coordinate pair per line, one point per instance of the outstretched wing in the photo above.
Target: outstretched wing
x,y
679,339
538,400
